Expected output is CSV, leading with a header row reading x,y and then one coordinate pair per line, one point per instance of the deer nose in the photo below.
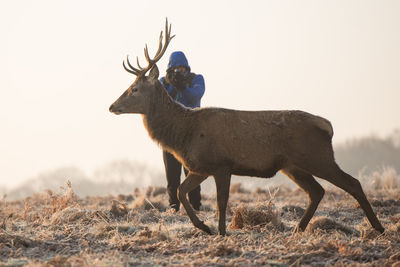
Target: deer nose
x,y
111,108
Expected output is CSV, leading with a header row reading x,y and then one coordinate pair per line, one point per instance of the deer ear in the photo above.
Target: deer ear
x,y
154,73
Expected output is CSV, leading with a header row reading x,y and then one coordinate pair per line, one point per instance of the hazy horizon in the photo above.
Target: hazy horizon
x,y
61,65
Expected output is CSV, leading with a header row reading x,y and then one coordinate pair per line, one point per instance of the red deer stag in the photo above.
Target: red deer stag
x,y
220,142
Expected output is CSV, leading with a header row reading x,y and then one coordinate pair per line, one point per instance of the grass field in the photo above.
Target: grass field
x,y
61,229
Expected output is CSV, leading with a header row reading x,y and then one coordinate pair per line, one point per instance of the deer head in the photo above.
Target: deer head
x,y
136,99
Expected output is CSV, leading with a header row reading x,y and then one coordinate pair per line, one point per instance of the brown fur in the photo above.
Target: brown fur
x,y
220,142
251,143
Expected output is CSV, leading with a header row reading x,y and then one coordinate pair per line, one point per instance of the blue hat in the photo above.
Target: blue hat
x,y
177,59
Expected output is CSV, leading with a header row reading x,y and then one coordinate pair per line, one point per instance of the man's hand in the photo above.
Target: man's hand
x,y
176,79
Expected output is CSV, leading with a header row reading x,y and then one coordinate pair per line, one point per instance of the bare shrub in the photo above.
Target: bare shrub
x,y
387,179
118,209
327,224
63,199
67,215
143,203
244,215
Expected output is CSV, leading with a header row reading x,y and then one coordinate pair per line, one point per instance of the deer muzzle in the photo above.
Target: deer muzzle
x,y
114,110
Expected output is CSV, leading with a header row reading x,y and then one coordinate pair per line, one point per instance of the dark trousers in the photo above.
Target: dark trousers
x,y
173,170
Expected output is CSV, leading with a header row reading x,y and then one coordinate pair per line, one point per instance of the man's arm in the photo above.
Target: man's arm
x,y
194,93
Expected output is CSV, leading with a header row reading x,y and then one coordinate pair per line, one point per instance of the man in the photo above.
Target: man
x,y
186,88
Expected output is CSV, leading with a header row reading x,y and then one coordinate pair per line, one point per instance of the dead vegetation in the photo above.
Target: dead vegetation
x,y
61,229
262,215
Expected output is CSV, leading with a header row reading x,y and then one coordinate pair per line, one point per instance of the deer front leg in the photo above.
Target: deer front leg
x,y
191,182
223,182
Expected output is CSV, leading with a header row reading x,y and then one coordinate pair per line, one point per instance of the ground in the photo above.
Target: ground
x,y
61,229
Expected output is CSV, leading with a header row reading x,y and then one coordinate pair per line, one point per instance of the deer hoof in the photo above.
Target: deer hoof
x,y
298,229
380,229
205,228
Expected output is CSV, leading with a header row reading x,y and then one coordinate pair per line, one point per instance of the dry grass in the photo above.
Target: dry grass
x,y
258,215
330,225
61,229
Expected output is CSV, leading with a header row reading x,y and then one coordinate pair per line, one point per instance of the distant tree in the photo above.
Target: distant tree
x,y
52,180
116,177
369,153
127,171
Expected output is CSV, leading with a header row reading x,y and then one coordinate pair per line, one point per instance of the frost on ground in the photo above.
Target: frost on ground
x,y
61,229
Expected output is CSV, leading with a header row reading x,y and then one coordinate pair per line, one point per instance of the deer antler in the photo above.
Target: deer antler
x,y
151,61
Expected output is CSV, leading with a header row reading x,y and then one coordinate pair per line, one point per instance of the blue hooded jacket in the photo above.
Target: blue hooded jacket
x,y
190,96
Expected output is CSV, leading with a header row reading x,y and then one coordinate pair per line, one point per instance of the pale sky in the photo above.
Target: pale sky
x,y
61,68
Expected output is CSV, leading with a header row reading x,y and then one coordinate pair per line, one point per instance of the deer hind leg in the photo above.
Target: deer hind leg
x,y
223,182
313,189
333,174
190,183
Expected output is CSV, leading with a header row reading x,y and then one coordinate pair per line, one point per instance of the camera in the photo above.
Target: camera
x,y
177,77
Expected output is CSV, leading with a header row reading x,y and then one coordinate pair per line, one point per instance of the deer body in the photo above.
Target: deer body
x,y
252,143
220,142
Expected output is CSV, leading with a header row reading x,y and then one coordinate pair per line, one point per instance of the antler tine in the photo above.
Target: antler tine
x,y
137,62
160,52
168,31
160,46
128,70
168,38
132,67
146,54
160,43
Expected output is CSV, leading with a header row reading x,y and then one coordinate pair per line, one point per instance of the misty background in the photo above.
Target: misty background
x,y
365,158
61,68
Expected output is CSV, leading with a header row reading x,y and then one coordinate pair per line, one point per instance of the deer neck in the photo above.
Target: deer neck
x,y
168,123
